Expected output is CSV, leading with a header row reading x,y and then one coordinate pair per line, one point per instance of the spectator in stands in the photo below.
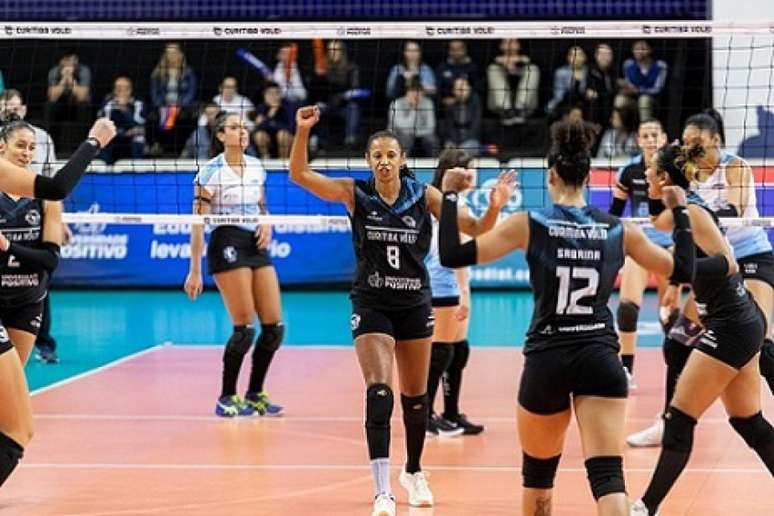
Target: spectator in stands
x,y
513,82
274,123
197,146
333,92
173,91
230,101
461,119
570,83
128,113
644,80
287,75
412,119
68,106
458,65
620,140
45,155
602,86
410,68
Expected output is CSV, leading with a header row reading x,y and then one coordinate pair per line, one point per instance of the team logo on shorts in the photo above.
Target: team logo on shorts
x,y
230,254
32,217
354,322
35,323
430,322
3,334
751,268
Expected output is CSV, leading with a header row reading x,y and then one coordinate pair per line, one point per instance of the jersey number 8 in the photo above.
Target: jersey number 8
x,y
393,256
566,300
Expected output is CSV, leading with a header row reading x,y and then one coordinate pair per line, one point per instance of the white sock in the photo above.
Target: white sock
x,y
380,469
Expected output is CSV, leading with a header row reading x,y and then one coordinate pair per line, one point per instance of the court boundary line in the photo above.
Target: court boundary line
x,y
54,416
98,369
347,467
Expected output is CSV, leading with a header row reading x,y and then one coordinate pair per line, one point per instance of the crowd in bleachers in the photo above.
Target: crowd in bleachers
x,y
430,107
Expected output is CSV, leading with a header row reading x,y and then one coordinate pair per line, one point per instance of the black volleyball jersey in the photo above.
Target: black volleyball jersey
x,y
720,297
391,243
574,255
631,179
21,222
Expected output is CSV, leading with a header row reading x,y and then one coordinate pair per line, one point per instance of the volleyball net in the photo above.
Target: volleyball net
x,y
492,88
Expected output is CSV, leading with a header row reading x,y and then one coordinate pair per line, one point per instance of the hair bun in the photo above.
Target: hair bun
x,y
9,117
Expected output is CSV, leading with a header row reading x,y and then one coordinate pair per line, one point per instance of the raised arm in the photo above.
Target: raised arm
x,y
18,181
509,235
498,198
326,188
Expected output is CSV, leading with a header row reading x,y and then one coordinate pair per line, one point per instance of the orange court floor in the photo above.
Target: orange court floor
x,y
138,436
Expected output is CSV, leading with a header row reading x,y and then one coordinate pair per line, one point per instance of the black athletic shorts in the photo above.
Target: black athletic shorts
x,y
231,247
551,377
758,267
733,341
402,324
27,317
5,341
441,302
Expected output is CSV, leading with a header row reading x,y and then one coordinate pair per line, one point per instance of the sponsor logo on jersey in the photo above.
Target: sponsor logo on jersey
x,y
32,217
374,215
409,221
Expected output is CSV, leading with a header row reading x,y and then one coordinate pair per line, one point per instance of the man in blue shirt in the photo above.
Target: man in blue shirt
x,y
644,80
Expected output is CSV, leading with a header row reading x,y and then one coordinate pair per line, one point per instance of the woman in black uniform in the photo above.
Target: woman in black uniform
x,y
724,361
15,409
30,238
574,253
391,312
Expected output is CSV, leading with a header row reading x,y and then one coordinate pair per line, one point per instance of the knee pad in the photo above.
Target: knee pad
x,y
678,430
240,341
270,337
379,402
461,354
668,318
414,409
627,315
441,356
755,430
538,473
605,476
767,358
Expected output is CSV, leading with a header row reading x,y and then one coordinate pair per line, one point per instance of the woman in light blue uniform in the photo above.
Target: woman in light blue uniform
x,y
238,258
451,308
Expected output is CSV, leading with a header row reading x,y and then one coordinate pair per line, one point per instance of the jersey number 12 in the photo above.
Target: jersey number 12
x,y
566,300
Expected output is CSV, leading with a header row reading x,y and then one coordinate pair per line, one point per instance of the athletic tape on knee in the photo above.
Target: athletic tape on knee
x,y
441,357
627,315
605,475
414,409
538,473
678,430
241,340
461,355
755,430
270,337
